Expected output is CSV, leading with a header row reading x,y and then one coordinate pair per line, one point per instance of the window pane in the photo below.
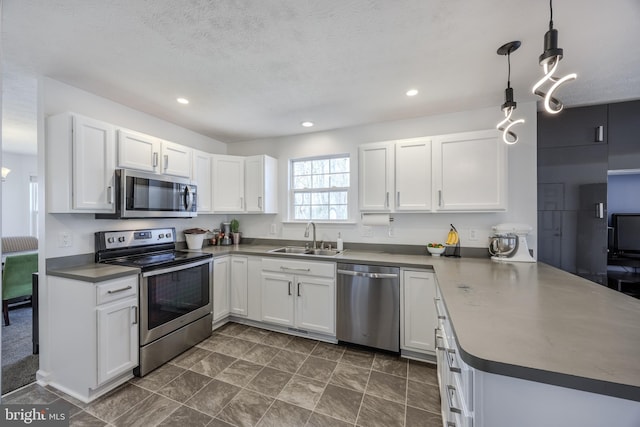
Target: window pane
x,y
320,181
338,198
301,182
320,166
339,180
302,168
339,212
319,198
320,212
302,212
339,165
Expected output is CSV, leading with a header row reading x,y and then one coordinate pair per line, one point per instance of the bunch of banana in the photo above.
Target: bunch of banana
x,y
453,238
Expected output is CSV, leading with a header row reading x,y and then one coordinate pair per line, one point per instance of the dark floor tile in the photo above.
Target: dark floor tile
x,y
67,406
388,364
190,357
283,414
31,394
302,391
419,418
287,361
320,420
217,422
377,412
423,396
239,373
213,364
328,351
215,342
340,403
387,387
253,334
423,372
112,405
276,339
213,397
185,386
159,377
350,376
302,345
317,368
235,347
269,381
246,409
260,354
84,419
359,358
232,329
186,417
149,412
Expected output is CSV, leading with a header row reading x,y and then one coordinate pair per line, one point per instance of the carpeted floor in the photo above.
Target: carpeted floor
x,y
19,364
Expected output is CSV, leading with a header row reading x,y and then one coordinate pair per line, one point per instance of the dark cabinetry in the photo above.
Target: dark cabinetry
x,y
573,127
624,135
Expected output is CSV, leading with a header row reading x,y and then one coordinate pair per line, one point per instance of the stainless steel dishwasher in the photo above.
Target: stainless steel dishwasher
x,y
369,305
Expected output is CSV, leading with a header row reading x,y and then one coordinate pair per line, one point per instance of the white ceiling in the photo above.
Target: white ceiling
x,y
255,69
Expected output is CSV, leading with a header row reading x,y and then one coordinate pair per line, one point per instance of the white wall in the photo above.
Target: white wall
x,y
408,228
59,97
15,193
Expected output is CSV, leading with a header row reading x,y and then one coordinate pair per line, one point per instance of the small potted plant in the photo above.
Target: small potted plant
x,y
235,230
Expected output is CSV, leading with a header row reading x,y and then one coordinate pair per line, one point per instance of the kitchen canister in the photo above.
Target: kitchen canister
x,y
194,237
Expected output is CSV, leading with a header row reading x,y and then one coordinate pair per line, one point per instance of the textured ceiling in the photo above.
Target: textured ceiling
x,y
254,69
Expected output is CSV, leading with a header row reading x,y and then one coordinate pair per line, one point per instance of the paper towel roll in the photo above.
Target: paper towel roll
x,y
375,219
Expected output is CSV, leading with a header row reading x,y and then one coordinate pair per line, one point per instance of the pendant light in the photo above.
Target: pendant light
x,y
549,60
509,105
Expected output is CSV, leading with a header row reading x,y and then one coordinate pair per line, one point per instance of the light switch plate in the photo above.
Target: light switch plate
x,y
473,234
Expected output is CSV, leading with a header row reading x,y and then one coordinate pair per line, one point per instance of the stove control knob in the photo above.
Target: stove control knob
x,y
121,239
111,239
168,235
160,236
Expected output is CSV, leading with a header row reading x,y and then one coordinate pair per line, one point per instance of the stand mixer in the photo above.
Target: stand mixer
x,y
509,243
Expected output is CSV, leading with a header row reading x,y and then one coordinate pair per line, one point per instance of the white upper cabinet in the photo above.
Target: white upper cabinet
x,y
228,183
80,164
395,176
376,176
469,172
147,153
261,186
138,151
202,175
176,159
457,172
413,174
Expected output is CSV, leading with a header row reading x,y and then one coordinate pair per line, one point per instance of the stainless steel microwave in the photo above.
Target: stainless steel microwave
x,y
147,195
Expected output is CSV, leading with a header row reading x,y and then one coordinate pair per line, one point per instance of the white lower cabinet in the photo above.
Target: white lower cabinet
x,y
239,285
221,287
417,315
94,334
299,294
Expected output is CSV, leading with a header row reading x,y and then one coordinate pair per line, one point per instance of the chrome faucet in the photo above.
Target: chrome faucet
x,y
306,233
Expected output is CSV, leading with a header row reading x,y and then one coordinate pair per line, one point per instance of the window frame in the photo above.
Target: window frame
x,y
292,192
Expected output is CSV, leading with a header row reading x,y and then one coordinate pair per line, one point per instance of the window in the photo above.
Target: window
x,y
320,189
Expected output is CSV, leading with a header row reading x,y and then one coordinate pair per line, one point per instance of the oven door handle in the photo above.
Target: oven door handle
x,y
174,268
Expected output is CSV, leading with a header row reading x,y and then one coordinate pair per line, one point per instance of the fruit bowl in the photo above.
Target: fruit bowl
x,y
435,249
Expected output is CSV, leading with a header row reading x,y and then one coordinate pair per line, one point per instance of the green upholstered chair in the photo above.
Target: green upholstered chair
x,y
16,279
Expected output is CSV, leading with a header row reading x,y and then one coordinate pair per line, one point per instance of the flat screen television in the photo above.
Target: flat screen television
x,y
626,233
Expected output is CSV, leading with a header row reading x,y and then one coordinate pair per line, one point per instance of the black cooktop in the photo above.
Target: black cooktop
x,y
154,260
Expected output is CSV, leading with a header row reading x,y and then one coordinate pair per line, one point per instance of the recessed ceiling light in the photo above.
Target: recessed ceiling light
x,y
184,101
412,92
307,124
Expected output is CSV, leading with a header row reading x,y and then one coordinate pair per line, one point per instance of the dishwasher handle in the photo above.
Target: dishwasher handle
x,y
369,275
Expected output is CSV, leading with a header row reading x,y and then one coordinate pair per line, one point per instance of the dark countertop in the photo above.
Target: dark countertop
x,y
524,320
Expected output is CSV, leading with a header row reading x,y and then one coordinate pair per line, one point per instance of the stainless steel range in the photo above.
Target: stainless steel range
x,y
175,290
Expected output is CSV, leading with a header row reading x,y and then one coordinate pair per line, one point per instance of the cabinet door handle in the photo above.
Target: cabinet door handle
x,y
135,314
386,200
155,159
440,198
600,210
437,338
294,269
289,288
451,354
241,202
599,133
115,291
166,161
299,289
451,391
110,195
440,316
398,201
259,202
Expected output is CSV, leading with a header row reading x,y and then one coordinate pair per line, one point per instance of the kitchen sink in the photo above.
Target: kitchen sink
x,y
300,250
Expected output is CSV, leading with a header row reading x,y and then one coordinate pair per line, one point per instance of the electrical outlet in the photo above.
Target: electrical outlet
x,y
64,239
273,229
473,234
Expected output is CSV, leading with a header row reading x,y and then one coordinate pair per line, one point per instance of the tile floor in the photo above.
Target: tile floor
x,y
244,376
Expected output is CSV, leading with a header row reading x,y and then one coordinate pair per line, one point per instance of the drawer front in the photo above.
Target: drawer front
x,y
310,268
116,289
